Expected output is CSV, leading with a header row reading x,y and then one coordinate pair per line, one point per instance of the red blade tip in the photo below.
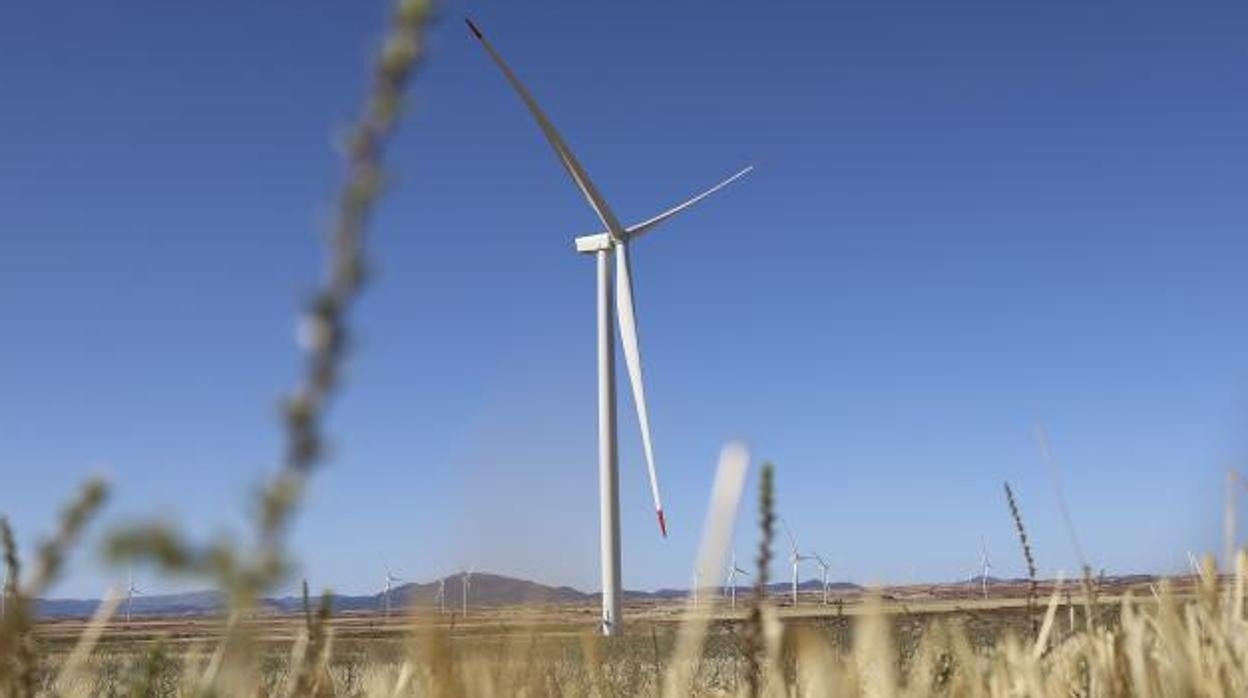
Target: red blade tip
x,y
662,523
473,27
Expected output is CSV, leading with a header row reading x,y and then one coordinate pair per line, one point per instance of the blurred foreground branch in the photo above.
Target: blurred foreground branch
x,y
324,338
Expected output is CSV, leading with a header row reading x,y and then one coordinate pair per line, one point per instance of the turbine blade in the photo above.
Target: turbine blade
x,y
647,225
789,535
632,356
579,176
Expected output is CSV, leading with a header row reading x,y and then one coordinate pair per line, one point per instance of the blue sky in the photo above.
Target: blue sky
x,y
967,218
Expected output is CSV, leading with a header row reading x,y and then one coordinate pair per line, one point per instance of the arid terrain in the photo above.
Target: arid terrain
x,y
1005,607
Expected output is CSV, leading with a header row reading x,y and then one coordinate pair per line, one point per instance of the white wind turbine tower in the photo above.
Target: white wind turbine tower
x,y
131,592
795,558
733,571
984,566
612,242
442,596
825,567
465,582
391,579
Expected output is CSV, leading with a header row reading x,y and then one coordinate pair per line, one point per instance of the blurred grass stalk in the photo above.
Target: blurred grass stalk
x,y
245,575
712,555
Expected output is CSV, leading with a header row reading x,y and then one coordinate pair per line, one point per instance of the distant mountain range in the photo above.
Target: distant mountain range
x,y
189,604
484,589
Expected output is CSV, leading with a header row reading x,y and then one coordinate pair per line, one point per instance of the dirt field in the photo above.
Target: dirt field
x,y
916,605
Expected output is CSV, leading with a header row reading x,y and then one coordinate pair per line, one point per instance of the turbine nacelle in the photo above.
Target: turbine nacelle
x,y
589,244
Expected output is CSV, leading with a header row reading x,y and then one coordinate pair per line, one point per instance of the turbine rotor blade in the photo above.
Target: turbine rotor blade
x,y
646,226
789,535
570,163
632,356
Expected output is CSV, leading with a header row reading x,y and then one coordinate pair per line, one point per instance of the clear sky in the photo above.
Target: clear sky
x,y
967,218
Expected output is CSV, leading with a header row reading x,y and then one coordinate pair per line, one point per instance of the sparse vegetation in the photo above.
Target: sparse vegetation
x,y
1181,641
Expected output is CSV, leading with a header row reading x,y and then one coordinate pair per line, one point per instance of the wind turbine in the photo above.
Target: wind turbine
x,y
391,578
442,596
131,591
465,582
984,566
795,558
1191,561
825,567
612,242
733,571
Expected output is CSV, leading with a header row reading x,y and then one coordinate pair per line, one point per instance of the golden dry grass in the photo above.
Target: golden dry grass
x,y
1164,645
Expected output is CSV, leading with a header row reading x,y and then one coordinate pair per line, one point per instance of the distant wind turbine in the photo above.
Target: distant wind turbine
x,y
824,566
1191,561
795,557
391,579
733,571
612,242
131,592
984,566
465,582
442,596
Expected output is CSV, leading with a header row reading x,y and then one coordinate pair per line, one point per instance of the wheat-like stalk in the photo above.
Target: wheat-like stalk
x,y
324,338
19,649
754,631
1021,530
